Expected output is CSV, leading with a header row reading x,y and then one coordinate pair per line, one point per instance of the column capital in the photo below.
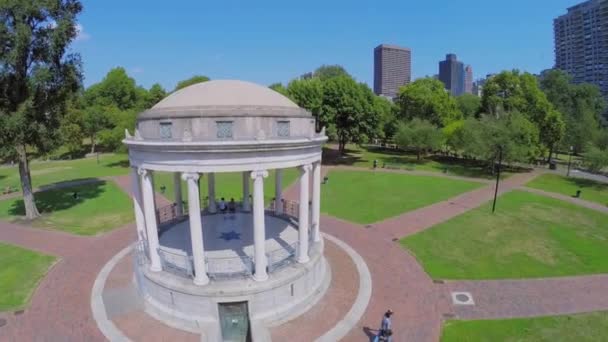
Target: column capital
x,y
258,174
190,176
305,168
142,172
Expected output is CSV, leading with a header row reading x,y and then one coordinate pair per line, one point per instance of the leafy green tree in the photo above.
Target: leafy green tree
x,y
71,131
512,91
192,80
308,93
325,72
580,104
94,120
279,88
468,104
37,77
427,99
155,95
342,102
595,159
116,89
420,135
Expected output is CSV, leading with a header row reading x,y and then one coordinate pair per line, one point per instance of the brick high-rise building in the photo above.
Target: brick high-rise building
x,y
468,79
451,73
392,69
581,43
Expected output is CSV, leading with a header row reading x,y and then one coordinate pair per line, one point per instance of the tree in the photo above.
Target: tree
x,y
427,99
37,77
512,91
155,95
116,89
595,159
342,102
279,88
192,80
325,72
580,104
94,120
308,93
420,135
71,131
468,104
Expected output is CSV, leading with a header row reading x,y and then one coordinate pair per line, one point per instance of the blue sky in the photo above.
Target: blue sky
x,y
275,41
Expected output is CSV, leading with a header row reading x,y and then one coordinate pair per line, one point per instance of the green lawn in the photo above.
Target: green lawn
x,y
588,327
227,185
44,173
591,190
100,207
20,273
367,197
365,156
529,236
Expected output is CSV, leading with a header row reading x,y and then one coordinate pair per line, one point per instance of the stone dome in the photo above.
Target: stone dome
x,y
232,93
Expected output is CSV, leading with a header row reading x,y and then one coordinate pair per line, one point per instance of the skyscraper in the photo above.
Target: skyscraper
x,y
392,69
468,79
581,43
451,73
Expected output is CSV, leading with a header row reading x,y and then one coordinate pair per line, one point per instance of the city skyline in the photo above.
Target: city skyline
x,y
242,40
392,69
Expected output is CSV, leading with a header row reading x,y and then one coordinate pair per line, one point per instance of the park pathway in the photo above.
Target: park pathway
x,y
418,220
577,201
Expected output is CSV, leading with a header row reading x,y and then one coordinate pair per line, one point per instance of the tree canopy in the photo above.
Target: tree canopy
x,y
190,81
427,99
325,72
37,78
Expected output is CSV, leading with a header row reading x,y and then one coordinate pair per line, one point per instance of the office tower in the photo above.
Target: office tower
x,y
451,73
581,43
392,69
468,79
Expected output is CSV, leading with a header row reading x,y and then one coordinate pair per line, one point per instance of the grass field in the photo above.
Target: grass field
x,y
366,197
44,173
227,185
591,190
20,273
529,236
365,156
99,207
588,327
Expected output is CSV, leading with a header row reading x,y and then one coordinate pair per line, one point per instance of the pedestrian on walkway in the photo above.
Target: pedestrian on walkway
x,y
385,333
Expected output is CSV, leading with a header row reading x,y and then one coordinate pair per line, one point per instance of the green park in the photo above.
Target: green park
x,y
509,186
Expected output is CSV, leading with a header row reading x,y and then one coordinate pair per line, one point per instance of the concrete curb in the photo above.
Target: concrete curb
x,y
105,325
363,296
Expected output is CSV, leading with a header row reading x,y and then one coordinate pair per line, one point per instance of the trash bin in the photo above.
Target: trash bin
x,y
552,166
578,194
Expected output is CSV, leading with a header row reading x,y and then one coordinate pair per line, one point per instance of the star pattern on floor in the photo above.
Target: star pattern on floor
x,y
231,235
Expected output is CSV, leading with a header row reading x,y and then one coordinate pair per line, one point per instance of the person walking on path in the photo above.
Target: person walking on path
x,y
385,332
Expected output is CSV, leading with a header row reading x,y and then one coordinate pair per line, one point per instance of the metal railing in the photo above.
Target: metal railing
x,y
176,261
141,253
229,267
282,257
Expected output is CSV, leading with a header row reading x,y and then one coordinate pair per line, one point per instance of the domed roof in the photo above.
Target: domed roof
x,y
225,93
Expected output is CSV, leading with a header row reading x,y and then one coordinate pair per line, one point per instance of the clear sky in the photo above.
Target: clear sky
x,y
275,41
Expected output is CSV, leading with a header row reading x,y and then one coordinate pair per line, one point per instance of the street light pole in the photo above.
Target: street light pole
x,y
497,178
570,161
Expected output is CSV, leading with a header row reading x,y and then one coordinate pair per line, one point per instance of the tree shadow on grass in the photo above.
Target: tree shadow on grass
x,y
120,163
332,156
588,183
60,199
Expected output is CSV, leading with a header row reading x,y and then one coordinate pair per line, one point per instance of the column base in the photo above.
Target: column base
x,y
155,268
201,281
260,277
303,260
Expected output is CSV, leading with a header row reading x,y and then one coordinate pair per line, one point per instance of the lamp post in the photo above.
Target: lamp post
x,y
497,178
570,160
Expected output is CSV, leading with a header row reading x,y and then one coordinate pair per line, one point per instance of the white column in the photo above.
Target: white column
x,y
150,215
196,229
303,214
278,196
211,192
246,204
177,188
259,225
140,219
316,201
